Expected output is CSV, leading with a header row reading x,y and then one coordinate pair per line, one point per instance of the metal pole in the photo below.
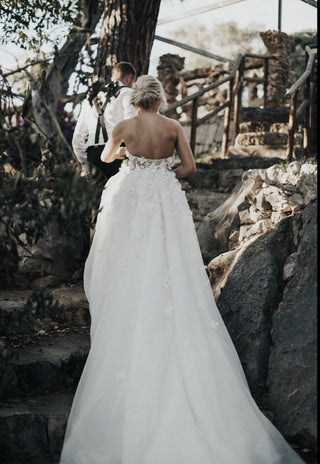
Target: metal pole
x,y
279,14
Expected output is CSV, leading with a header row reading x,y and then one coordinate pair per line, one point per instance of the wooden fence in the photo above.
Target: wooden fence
x,y
306,82
233,102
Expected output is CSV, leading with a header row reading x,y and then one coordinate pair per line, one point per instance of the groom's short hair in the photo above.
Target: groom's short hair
x,y
125,69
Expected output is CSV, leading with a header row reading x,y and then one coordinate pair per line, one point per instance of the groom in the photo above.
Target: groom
x,y
99,115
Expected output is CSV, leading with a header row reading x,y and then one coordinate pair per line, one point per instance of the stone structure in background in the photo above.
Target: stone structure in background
x,y
197,79
169,75
53,259
278,44
177,81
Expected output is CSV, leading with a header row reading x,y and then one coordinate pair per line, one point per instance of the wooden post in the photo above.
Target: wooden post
x,y
265,84
194,116
227,117
291,126
307,117
279,14
237,100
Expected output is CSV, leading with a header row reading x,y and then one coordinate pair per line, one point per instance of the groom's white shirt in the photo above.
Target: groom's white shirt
x,y
116,110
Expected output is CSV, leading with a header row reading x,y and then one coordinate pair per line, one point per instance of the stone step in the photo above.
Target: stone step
x,y
275,155
52,364
32,429
274,139
244,163
263,126
264,114
17,319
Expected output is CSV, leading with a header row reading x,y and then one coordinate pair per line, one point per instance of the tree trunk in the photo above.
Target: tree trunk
x,y
127,34
55,81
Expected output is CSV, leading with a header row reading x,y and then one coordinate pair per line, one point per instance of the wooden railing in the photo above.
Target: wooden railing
x,y
195,122
305,81
232,103
241,78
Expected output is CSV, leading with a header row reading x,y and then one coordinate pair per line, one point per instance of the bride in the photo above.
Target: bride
x,y
162,383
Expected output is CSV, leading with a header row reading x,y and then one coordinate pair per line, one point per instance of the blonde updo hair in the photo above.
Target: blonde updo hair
x,y
146,90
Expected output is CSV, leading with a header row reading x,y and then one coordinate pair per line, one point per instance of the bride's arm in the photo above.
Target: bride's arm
x,y
188,165
111,149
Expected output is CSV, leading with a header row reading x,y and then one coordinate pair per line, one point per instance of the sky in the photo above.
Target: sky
x,y
296,16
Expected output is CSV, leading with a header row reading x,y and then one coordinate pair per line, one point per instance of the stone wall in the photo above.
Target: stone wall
x,y
264,280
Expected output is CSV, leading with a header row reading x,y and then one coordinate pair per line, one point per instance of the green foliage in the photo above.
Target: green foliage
x,y
225,39
27,23
27,204
300,40
110,90
42,304
303,38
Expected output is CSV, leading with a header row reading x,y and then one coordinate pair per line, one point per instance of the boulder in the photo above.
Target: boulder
x,y
292,362
52,259
250,296
216,227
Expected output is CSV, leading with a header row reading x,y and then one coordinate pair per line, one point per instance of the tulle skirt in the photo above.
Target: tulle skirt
x,y
162,383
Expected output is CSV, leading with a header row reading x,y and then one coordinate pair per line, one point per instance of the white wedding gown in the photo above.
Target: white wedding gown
x,y
162,383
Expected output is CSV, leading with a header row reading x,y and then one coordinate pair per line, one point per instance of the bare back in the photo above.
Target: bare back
x,y
150,135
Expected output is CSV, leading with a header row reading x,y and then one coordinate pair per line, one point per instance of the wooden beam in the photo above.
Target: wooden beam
x,y
185,100
194,117
197,11
199,51
291,126
212,113
311,2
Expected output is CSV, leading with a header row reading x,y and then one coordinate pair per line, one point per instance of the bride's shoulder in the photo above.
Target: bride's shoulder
x,y
172,122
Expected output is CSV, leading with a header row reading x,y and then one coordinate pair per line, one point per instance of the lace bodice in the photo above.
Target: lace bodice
x,y
141,163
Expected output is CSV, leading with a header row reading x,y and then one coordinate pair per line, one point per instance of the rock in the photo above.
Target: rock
x,y
294,168
53,255
52,364
307,186
249,295
261,202
16,319
260,227
276,216
257,214
245,217
277,199
254,173
216,227
234,236
219,269
296,201
32,429
308,168
45,282
290,265
289,188
274,174
292,363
